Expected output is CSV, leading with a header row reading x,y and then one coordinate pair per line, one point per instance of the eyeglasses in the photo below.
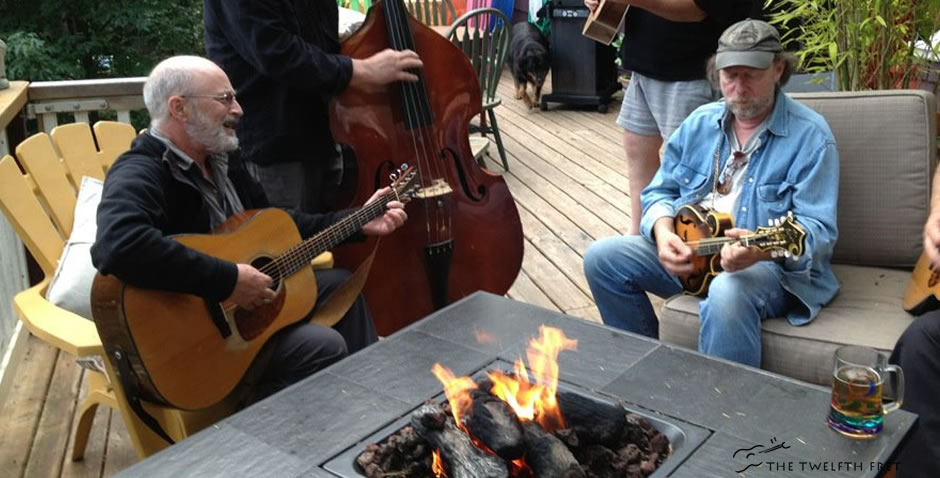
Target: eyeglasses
x,y
727,177
225,98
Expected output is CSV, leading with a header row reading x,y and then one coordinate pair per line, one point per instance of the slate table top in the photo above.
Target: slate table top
x,y
296,431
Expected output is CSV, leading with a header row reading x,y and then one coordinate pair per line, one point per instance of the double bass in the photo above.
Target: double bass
x,y
463,232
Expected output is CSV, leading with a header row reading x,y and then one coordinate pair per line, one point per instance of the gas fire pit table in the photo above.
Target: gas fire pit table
x,y
722,419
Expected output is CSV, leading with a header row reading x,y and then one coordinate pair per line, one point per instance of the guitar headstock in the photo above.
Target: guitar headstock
x,y
783,236
405,183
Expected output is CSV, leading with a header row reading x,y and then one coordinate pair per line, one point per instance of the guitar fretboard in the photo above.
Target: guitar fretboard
x,y
300,255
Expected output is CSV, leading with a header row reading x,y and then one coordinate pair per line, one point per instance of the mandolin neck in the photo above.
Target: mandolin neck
x,y
713,245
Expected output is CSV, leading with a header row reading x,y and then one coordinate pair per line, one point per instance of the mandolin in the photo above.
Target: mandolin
x,y
604,22
923,290
703,229
190,353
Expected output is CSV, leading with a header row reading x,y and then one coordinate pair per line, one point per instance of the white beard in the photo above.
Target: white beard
x,y
212,137
751,109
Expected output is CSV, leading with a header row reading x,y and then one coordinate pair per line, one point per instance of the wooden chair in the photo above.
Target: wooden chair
x,y
483,34
40,204
432,12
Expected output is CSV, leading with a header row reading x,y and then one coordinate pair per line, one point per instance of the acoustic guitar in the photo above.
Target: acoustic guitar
x,y
703,230
923,290
604,22
190,353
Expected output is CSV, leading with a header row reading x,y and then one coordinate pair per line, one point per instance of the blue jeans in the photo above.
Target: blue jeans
x,y
621,270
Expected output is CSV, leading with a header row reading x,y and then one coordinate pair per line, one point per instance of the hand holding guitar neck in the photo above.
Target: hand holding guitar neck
x,y
394,217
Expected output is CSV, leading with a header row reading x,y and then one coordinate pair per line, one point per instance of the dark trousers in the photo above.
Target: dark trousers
x,y
298,351
918,354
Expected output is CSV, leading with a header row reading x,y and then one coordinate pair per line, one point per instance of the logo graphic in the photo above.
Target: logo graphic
x,y
747,453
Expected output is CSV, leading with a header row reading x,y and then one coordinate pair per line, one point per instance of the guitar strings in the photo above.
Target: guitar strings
x,y
299,255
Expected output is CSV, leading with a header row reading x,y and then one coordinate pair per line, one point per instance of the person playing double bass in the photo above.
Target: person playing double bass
x,y
283,59
184,175
755,155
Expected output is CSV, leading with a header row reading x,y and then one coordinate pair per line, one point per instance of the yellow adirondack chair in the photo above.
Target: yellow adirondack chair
x,y
40,205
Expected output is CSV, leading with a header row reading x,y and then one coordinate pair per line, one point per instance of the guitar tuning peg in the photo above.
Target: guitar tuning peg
x,y
393,176
787,254
790,214
773,253
404,166
770,222
777,222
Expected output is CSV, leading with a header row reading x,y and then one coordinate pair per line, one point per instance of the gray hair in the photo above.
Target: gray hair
x,y
790,64
170,77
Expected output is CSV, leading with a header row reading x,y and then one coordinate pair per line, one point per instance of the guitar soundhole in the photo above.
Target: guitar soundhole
x,y
265,264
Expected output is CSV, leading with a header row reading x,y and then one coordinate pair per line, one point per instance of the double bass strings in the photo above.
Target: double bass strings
x,y
425,145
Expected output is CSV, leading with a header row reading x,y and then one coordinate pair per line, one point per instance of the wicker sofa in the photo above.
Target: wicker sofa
x,y
887,150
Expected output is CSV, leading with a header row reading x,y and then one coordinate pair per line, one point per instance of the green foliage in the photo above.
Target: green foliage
x,y
869,44
79,39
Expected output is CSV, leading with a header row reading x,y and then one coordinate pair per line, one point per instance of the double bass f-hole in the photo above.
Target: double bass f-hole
x,y
479,193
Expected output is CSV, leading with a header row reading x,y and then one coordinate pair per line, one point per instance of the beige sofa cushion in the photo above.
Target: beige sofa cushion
x,y
867,311
887,151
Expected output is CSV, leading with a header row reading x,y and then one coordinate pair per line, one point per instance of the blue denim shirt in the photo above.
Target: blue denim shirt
x,y
796,169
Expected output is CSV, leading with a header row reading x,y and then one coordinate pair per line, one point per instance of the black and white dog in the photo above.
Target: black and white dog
x,y
529,60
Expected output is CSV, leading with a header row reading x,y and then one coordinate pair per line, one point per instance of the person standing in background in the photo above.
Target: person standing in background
x,y
665,46
283,59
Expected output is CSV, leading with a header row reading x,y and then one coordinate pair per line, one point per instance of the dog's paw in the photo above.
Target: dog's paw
x,y
528,101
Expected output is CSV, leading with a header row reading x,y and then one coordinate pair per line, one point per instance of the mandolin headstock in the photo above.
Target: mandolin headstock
x,y
784,237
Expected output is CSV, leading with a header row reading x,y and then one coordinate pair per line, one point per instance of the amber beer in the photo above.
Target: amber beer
x,y
857,407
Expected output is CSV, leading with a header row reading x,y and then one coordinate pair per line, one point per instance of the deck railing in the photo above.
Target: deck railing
x,y
50,103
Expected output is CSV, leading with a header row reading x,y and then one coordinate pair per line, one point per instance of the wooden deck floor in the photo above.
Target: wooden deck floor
x,y
568,178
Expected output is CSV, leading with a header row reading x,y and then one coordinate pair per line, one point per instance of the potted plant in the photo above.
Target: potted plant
x,y
867,44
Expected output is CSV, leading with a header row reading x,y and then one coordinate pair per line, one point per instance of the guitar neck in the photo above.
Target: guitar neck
x,y
299,256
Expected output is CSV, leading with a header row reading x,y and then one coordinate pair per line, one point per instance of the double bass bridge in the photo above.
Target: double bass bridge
x,y
437,188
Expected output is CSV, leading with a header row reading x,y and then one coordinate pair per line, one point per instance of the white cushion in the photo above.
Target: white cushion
x,y
70,288
349,22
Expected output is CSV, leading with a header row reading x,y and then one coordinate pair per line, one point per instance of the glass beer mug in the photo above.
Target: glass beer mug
x,y
857,407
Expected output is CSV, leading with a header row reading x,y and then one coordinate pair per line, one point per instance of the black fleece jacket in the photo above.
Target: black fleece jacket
x,y
283,59
142,205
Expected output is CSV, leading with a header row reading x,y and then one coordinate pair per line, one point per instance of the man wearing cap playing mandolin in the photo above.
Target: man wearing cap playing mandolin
x,y
755,155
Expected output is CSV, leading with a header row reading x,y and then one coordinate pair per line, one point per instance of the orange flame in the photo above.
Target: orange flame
x,y
437,465
536,401
530,401
457,390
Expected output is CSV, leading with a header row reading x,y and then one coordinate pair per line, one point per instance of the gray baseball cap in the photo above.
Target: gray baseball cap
x,y
750,43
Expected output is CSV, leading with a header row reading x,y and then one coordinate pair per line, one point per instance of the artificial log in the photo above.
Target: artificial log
x,y
593,421
462,459
547,455
495,424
